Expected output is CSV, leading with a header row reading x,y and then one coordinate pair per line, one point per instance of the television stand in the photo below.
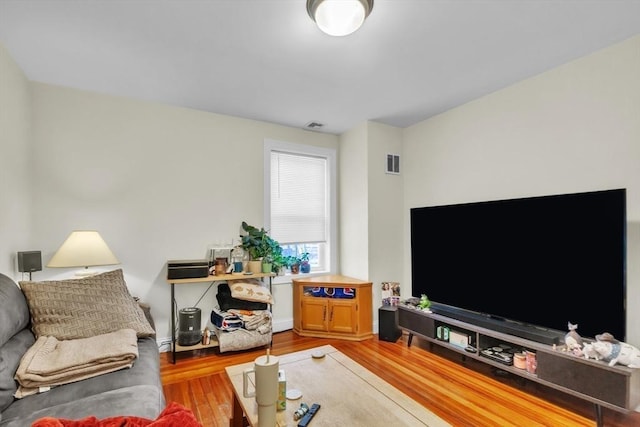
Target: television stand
x,y
529,332
615,387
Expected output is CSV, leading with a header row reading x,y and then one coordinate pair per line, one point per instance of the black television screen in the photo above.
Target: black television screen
x,y
542,261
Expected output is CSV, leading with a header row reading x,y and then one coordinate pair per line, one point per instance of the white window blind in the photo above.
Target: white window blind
x,y
299,194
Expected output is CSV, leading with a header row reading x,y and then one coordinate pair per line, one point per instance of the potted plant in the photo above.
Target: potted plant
x,y
293,264
305,267
253,241
273,259
262,249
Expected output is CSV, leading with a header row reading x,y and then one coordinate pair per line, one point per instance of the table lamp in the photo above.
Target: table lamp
x,y
83,248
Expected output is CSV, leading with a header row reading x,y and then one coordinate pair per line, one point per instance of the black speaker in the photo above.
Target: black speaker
x,y
189,326
388,323
29,261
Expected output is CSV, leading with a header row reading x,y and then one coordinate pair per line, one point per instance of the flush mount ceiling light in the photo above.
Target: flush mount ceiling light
x,y
339,17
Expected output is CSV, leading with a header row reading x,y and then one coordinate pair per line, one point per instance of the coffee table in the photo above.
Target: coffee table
x,y
348,394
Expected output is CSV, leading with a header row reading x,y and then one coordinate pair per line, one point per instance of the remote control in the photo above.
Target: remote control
x,y
307,417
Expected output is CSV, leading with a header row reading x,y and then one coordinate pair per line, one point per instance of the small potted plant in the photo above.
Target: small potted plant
x,y
294,264
305,267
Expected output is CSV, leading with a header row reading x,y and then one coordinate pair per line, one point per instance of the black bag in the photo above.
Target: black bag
x,y
226,301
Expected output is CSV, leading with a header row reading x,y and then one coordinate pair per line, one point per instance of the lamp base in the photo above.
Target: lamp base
x,y
86,273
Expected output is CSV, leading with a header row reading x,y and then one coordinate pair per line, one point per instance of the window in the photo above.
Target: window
x,y
300,201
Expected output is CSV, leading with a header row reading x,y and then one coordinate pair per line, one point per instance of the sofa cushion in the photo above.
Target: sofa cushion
x,y
10,355
14,312
134,391
82,308
136,401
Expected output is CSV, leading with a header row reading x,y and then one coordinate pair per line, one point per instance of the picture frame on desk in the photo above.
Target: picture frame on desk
x,y
390,293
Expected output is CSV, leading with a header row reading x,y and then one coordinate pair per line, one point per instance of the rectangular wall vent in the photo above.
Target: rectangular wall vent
x,y
393,164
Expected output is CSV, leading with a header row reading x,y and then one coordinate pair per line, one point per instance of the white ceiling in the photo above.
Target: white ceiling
x,y
266,60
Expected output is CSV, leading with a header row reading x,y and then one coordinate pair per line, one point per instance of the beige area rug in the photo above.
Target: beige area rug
x,y
349,394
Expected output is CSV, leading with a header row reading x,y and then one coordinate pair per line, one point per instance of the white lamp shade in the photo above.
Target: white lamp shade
x,y
339,17
83,249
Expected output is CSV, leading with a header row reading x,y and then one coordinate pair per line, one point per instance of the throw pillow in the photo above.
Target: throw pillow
x,y
173,415
250,291
83,308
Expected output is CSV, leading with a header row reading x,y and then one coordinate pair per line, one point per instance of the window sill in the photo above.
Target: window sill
x,y
288,278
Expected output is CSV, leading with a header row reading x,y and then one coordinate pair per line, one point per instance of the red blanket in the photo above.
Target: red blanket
x,y
173,415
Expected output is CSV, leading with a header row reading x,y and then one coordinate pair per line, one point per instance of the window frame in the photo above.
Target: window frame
x,y
330,155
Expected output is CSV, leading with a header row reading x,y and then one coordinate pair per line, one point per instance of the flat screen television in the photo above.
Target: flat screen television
x,y
537,262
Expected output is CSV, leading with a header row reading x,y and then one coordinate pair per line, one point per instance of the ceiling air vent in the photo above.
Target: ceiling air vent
x,y
314,125
393,164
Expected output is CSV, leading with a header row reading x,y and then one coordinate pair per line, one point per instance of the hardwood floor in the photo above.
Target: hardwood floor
x,y
462,392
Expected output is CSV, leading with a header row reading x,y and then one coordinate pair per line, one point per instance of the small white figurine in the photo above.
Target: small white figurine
x,y
589,352
572,339
617,352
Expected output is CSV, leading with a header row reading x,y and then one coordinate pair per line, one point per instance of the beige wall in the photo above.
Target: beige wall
x,y
385,216
353,203
371,218
575,128
161,182
17,165
158,182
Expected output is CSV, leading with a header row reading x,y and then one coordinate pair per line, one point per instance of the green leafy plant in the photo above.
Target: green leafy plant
x,y
290,260
254,241
260,245
274,255
305,267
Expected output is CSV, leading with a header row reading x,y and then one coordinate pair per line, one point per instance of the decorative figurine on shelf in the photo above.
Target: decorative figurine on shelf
x,y
606,336
424,303
572,339
411,302
589,352
613,351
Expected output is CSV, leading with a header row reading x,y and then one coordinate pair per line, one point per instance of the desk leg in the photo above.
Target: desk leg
x,y
173,324
237,416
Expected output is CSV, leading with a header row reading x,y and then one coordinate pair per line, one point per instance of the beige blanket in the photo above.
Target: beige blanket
x,y
254,319
50,362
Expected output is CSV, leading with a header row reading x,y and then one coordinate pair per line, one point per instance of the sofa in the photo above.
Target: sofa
x,y
76,309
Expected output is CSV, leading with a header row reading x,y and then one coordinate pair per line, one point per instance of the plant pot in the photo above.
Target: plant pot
x,y
266,267
255,266
295,269
305,267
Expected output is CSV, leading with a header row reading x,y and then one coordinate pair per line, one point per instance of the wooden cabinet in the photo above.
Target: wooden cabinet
x,y
332,306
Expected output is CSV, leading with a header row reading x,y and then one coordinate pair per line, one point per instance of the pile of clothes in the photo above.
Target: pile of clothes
x,y
240,324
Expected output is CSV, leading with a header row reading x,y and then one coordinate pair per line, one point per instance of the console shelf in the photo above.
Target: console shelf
x,y
615,387
175,347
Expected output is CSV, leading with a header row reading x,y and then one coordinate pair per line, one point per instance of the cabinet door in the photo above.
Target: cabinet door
x,y
342,316
314,314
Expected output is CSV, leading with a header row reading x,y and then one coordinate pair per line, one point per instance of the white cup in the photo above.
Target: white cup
x,y
265,369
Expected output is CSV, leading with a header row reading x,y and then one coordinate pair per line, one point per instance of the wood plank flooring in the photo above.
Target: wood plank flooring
x,y
462,392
